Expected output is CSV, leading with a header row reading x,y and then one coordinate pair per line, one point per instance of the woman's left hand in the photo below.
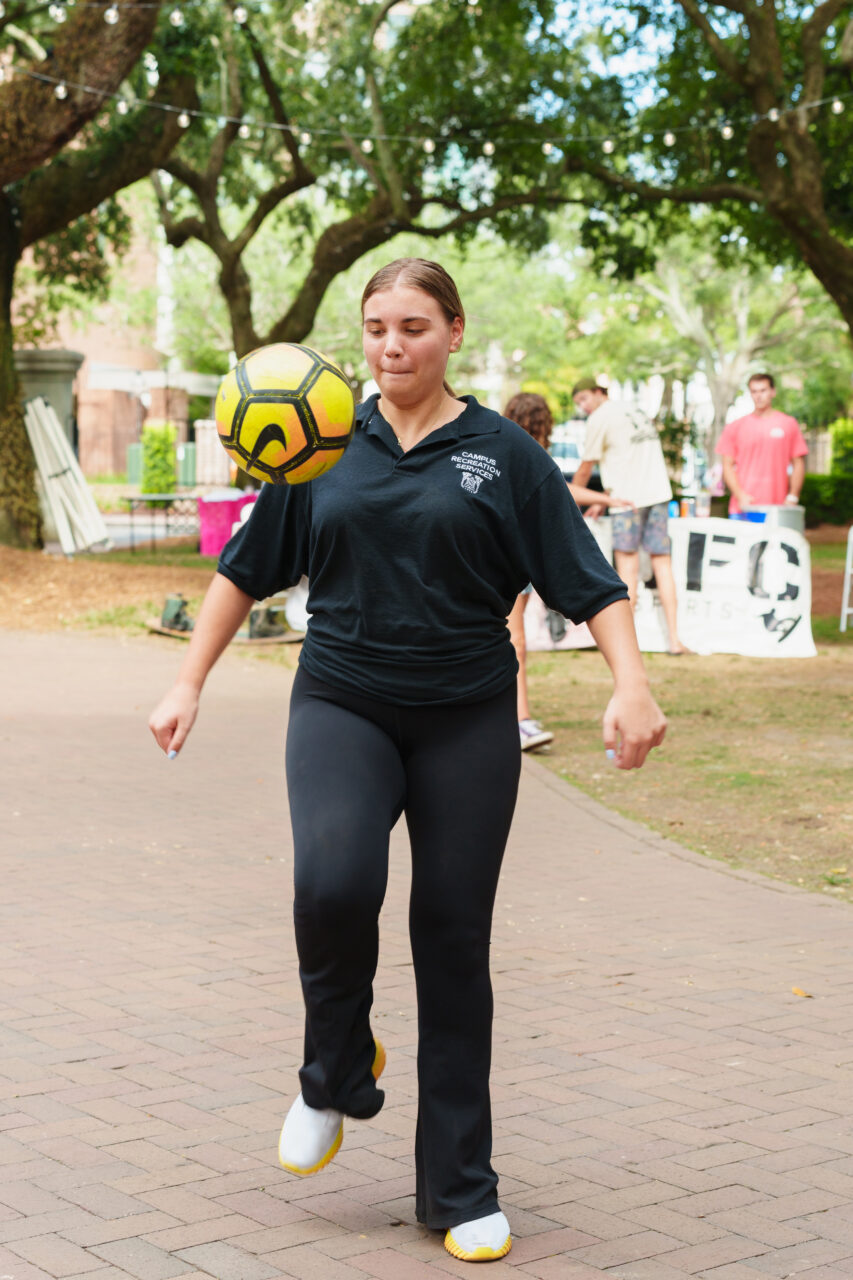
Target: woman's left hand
x,y
633,724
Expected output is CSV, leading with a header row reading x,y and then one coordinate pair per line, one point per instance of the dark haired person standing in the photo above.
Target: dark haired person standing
x,y
415,545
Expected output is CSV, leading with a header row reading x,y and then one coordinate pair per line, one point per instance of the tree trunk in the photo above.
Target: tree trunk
x,y
20,516
338,248
794,198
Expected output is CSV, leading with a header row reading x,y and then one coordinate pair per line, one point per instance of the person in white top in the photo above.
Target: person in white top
x,y
626,445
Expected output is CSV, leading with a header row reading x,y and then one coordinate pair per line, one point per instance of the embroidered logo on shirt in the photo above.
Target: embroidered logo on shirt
x,y
475,468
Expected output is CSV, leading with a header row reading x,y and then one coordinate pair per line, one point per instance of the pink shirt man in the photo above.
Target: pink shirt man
x,y
757,451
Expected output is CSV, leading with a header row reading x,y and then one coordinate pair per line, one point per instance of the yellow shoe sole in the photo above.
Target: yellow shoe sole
x,y
376,1070
321,1164
482,1254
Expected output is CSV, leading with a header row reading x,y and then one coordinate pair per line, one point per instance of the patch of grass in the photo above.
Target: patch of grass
x,y
756,768
124,617
829,555
164,556
826,630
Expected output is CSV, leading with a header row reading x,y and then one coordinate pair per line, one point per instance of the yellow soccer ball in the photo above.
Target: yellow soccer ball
x,y
285,413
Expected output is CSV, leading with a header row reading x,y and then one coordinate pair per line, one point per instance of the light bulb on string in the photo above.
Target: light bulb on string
x,y
669,138
547,148
57,12
488,148
122,106
306,138
244,131
608,146
367,146
221,122
111,15
176,18
727,132
61,91
241,14
773,114
184,120
837,106
429,146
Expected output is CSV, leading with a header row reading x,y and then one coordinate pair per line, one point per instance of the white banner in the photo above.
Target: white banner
x,y
742,588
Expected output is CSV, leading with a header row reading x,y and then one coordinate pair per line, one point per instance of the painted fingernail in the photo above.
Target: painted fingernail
x,y
172,755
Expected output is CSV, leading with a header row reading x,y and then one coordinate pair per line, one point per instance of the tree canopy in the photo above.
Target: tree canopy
x,y
740,105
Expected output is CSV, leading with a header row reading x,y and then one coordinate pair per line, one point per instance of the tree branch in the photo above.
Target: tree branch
x,y
714,193
34,123
279,114
811,43
726,59
267,203
76,181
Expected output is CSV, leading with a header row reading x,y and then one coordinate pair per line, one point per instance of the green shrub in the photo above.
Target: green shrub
x,y
841,433
158,457
827,499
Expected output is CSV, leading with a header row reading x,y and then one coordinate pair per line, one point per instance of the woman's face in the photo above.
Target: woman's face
x,y
407,342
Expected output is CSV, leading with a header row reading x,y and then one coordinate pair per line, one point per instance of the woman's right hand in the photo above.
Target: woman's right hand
x,y
173,717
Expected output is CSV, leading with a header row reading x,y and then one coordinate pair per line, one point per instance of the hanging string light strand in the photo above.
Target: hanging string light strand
x,y
610,144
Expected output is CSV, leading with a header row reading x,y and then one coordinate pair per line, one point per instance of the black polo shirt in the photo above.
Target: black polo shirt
x,y
415,559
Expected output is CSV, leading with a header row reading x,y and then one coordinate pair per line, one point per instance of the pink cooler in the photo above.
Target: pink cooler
x,y
218,512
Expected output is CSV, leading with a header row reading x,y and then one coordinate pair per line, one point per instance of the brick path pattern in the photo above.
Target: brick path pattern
x,y
665,1104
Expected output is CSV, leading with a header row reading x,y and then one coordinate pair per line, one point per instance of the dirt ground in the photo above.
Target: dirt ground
x,y
41,592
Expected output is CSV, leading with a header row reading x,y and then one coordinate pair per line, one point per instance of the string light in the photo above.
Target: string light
x,y
176,18
608,144
111,15
57,12
241,14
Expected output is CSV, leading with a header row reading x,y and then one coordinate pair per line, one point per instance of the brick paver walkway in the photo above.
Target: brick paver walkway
x,y
665,1105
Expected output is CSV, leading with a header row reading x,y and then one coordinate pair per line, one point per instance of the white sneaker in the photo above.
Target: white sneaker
x,y
482,1240
532,735
309,1138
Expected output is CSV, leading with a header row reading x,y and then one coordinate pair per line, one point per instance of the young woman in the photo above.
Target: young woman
x,y
415,544
531,412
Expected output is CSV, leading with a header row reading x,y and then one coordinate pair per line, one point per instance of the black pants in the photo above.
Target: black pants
x,y
353,766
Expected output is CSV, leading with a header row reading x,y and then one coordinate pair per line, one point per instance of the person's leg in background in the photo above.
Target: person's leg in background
x,y
665,580
530,731
462,767
627,530
657,542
